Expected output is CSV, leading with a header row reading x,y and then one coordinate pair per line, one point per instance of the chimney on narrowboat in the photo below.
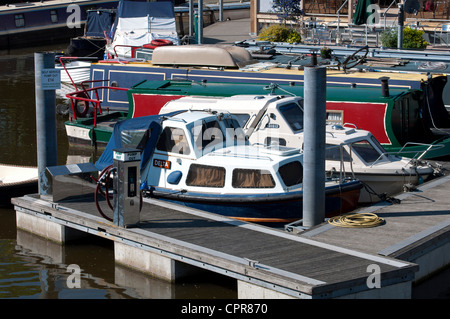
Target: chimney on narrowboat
x,y
384,86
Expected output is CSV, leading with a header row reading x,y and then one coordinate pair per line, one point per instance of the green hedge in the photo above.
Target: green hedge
x,y
412,39
280,33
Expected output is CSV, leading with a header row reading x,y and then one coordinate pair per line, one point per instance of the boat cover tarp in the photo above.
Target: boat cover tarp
x,y
139,133
98,22
138,23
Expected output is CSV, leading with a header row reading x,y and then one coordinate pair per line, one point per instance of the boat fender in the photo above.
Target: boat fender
x,y
174,177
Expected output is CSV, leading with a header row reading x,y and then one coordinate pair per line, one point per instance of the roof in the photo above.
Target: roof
x,y
344,133
190,117
334,92
231,103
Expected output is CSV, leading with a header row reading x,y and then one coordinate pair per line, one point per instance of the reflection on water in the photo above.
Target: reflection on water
x,y
35,268
32,267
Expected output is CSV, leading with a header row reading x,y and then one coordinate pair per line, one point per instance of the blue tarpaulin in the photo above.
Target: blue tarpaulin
x,y
140,132
99,21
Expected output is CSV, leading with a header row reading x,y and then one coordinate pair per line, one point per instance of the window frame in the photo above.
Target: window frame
x,y
54,16
173,146
19,20
287,118
234,179
192,175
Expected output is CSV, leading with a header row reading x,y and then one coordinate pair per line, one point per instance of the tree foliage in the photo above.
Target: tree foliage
x,y
412,39
287,10
280,33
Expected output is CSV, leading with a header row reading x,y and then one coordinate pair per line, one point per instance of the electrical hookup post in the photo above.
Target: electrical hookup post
x,y
127,191
47,81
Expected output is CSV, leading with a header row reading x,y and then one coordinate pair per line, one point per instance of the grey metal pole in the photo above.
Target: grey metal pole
x,y
314,146
221,10
401,18
45,118
191,18
200,22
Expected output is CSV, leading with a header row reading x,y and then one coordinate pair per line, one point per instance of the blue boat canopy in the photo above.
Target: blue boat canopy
x,y
99,21
140,132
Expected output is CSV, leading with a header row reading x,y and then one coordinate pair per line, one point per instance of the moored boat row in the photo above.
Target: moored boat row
x,y
278,120
202,159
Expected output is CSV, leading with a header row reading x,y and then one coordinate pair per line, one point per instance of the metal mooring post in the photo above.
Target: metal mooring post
x,y
200,22
220,10
47,80
401,19
314,146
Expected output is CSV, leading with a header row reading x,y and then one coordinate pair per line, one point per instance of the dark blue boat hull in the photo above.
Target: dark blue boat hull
x,y
263,208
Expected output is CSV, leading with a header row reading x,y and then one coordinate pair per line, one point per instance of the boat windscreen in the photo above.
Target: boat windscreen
x,y
366,151
132,138
293,115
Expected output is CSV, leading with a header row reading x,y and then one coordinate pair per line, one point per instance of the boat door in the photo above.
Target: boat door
x,y
406,120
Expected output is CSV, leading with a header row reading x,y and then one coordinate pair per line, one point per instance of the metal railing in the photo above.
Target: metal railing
x,y
85,97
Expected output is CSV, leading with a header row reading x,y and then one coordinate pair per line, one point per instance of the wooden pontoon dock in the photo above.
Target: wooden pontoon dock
x,y
322,262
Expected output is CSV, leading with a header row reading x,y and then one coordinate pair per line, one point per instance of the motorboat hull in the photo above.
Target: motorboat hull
x,y
16,181
264,208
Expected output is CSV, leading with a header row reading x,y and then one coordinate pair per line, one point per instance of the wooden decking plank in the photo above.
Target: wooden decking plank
x,y
206,234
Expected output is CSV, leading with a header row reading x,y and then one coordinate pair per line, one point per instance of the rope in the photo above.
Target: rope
x,y
356,220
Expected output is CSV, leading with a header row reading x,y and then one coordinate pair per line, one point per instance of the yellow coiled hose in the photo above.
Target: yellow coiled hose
x,y
360,220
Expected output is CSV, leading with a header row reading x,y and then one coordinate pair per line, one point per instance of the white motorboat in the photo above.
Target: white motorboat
x,y
203,160
274,119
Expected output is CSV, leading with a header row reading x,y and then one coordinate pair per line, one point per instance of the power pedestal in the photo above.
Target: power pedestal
x,y
127,194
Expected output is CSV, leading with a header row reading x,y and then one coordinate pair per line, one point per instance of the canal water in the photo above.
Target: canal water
x,y
34,268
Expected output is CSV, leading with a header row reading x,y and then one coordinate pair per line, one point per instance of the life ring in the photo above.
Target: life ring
x,y
84,104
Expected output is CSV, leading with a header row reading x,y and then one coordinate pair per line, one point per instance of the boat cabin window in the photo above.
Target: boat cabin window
x,y
377,144
333,153
54,16
334,117
366,151
207,134
205,176
293,115
291,173
234,134
241,118
134,138
173,140
19,20
252,178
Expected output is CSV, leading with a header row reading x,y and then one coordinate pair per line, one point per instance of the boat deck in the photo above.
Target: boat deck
x,y
322,262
